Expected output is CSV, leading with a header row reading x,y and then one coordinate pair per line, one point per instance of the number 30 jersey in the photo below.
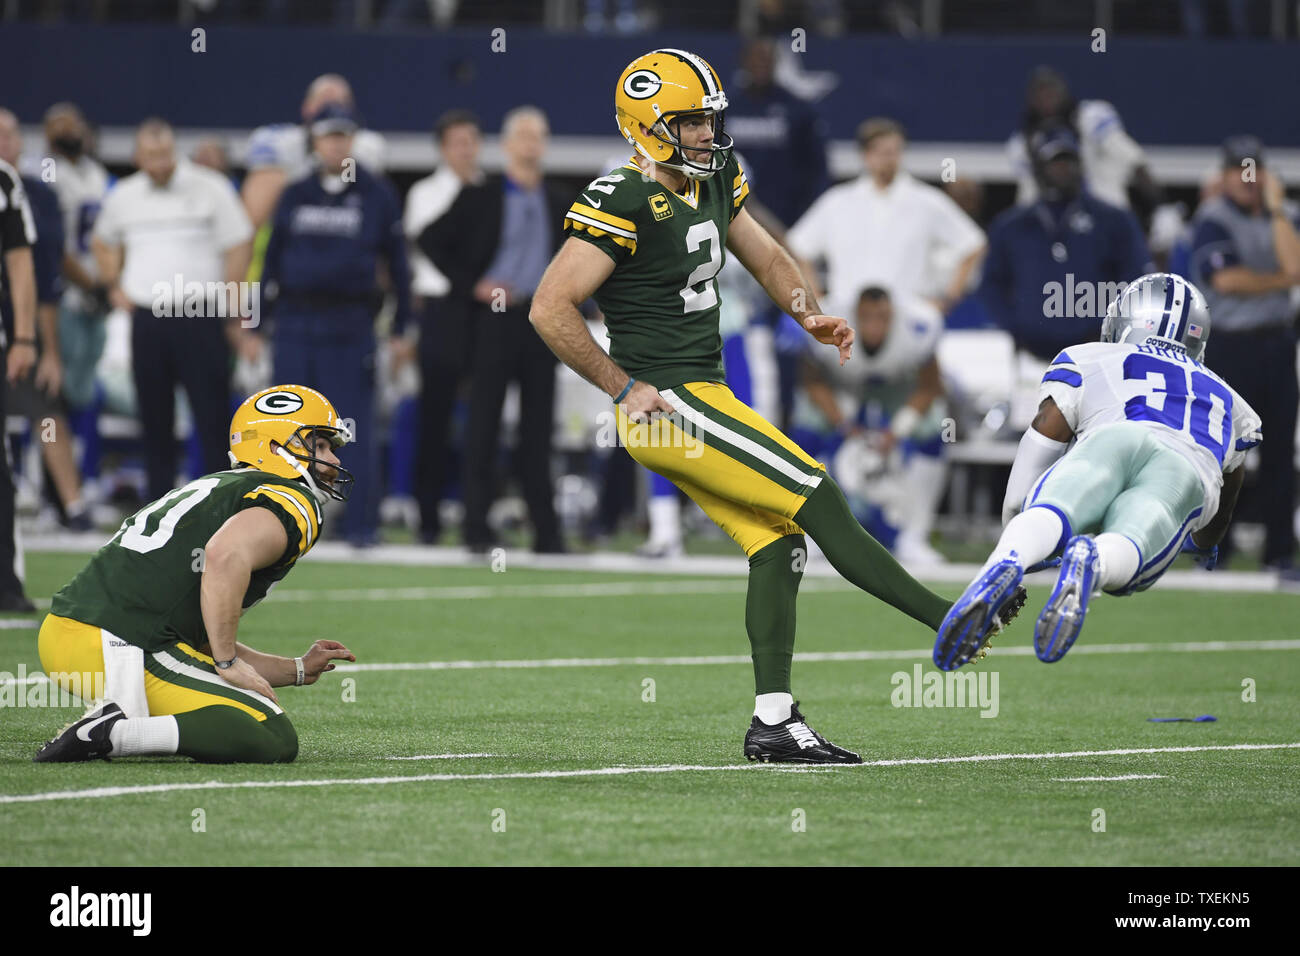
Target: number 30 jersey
x,y
143,585
1188,407
661,301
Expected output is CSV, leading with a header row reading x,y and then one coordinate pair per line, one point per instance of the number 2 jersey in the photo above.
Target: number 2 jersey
x,y
143,585
1187,407
661,303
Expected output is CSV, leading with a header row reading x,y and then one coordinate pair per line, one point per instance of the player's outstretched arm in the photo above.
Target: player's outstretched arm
x,y
1210,536
248,541
573,276
283,671
784,282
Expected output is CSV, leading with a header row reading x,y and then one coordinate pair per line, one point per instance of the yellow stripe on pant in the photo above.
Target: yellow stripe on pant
x,y
69,647
745,474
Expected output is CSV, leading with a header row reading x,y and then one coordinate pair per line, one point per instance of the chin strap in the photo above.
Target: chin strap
x,y
305,472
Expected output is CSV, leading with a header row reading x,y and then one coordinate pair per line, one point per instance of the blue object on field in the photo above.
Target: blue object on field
x,y
1203,719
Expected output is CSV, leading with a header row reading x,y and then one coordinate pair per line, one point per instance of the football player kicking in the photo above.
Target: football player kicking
x,y
153,617
647,242
1156,468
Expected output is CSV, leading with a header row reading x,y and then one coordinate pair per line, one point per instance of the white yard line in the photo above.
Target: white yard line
x,y
101,792
807,657
443,756
1127,776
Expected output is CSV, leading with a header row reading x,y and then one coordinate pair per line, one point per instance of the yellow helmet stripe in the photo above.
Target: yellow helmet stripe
x,y
702,69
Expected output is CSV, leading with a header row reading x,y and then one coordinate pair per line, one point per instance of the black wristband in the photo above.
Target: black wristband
x,y
225,665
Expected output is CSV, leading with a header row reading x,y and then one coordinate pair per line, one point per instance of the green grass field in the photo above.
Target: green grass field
x,y
704,804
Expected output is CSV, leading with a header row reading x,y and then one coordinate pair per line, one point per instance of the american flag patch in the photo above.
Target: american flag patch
x,y
1193,330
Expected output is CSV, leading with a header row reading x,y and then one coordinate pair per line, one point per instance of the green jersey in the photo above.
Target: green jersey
x,y
661,301
143,585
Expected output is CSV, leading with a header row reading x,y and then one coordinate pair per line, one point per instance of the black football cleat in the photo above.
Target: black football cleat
x,y
792,742
83,739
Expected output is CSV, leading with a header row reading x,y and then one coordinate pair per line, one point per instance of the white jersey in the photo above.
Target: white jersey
x,y
912,340
1188,407
1107,153
285,145
81,187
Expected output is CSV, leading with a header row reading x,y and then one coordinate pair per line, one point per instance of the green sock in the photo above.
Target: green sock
x,y
774,575
220,734
862,560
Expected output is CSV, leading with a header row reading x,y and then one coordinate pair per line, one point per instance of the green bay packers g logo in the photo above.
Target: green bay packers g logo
x,y
278,403
642,84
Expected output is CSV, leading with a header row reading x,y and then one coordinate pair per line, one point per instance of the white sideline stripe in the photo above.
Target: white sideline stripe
x,y
1127,776
100,792
17,624
810,657
442,756
807,657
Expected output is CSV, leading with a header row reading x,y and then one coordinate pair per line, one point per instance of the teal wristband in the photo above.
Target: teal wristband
x,y
626,388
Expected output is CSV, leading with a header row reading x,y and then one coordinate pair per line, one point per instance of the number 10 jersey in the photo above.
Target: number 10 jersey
x,y
661,302
144,584
1188,407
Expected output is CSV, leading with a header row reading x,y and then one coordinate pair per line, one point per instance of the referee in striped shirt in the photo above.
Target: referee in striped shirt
x,y
18,291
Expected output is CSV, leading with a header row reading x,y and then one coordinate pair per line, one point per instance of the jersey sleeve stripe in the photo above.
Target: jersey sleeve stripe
x,y
739,193
300,515
1244,444
599,231
1073,379
1062,358
611,222
311,504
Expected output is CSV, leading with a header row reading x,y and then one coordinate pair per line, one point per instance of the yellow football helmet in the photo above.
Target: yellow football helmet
x,y
657,90
291,417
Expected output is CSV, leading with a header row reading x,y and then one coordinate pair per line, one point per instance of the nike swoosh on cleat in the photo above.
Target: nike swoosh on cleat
x,y
83,732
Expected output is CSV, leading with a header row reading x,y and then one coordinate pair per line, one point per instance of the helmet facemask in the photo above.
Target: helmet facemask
x,y
668,130
300,452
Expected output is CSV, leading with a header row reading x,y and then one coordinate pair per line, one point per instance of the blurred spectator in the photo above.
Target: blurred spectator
x,y
493,245
279,153
38,398
330,231
882,228
1111,159
446,325
888,404
18,287
783,137
211,152
969,312
1053,266
1246,259
166,227
81,184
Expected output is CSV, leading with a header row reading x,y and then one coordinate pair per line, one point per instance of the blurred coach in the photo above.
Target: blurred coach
x,y
1246,259
161,229
446,339
493,245
329,234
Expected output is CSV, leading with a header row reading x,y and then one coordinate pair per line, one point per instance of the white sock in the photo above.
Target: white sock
x,y
665,512
1120,559
144,735
1032,535
773,708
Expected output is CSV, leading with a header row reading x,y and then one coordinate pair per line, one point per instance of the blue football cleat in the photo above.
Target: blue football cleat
x,y
1062,619
986,606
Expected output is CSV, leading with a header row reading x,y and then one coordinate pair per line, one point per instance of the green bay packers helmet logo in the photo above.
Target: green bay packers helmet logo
x,y
642,84
278,403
